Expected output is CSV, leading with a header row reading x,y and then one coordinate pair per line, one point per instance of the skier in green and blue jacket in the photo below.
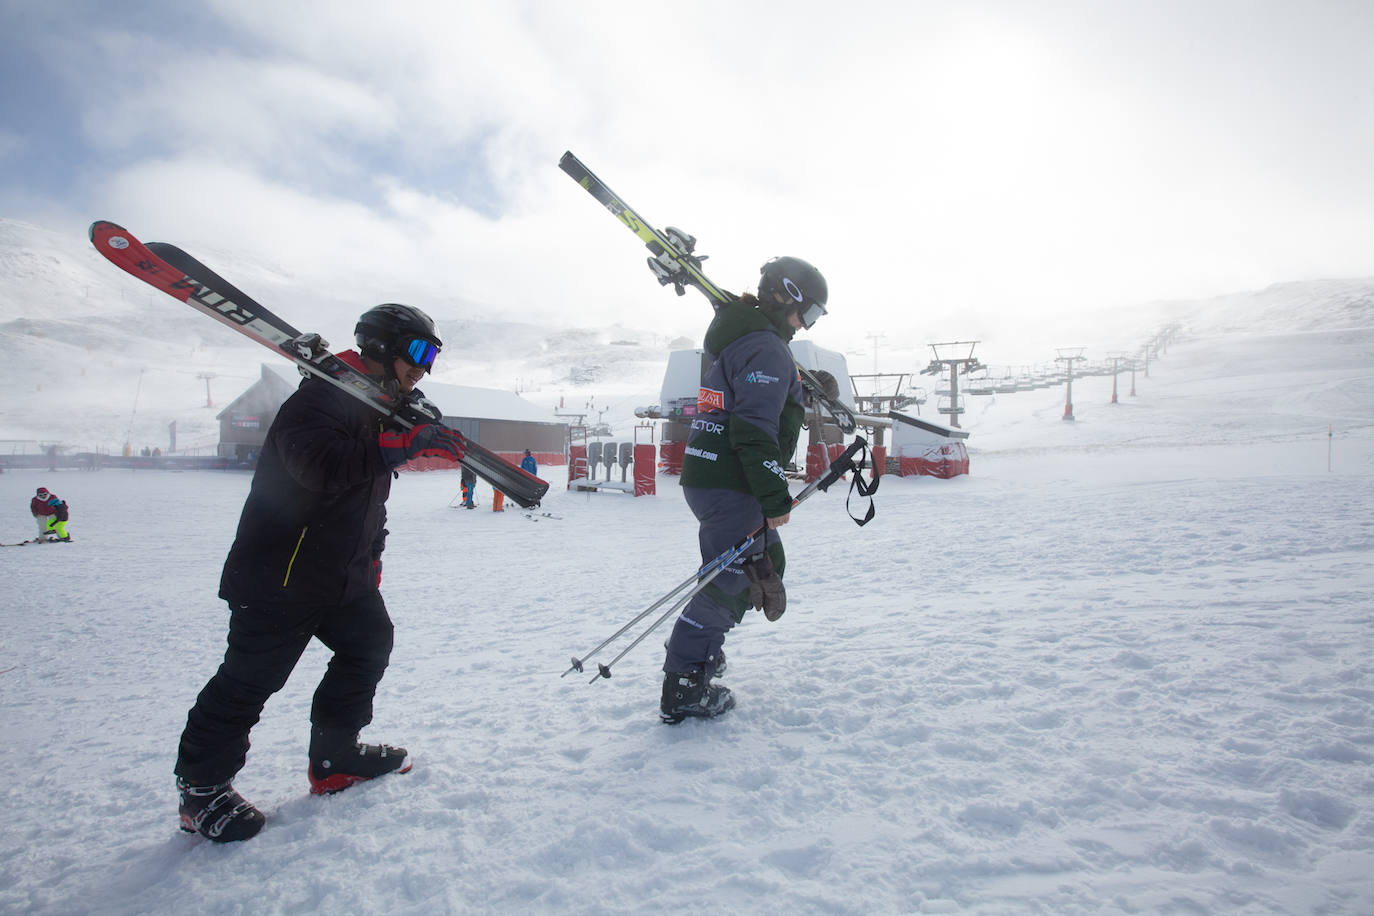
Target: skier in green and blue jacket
x,y
749,416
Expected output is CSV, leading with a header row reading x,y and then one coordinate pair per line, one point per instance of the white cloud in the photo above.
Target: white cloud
x,y
943,167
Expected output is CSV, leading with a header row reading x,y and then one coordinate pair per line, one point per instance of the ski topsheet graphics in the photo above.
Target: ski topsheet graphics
x,y
674,262
181,276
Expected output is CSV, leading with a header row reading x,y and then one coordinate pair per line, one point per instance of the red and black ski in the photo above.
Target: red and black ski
x,y
181,276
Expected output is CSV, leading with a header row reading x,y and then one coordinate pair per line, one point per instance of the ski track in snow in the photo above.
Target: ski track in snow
x,y
1125,666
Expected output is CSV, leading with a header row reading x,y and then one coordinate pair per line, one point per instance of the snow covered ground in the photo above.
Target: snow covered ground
x,y
1124,666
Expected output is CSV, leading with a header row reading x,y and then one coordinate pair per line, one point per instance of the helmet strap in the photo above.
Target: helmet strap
x,y
383,369
777,317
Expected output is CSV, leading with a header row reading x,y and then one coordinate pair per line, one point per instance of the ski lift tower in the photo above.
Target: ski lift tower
x,y
1068,356
1117,359
878,402
954,355
207,376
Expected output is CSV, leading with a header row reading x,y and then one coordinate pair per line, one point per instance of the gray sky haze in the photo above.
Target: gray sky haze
x,y
957,170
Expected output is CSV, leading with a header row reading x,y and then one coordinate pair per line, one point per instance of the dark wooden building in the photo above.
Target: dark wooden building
x,y
243,424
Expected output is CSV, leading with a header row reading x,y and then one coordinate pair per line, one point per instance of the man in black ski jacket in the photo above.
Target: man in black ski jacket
x,y
306,563
749,416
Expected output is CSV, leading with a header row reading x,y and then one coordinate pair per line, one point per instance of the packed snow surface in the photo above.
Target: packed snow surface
x,y
1123,666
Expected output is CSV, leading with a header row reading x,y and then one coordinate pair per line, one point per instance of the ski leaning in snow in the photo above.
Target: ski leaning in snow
x,y
674,262
181,276
703,577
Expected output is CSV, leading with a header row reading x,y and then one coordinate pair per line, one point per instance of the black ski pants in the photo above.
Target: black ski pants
x,y
264,647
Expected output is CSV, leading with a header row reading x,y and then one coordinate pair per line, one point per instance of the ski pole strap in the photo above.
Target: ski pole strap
x,y
843,465
865,488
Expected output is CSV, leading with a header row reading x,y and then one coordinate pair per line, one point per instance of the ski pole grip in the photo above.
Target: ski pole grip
x,y
843,464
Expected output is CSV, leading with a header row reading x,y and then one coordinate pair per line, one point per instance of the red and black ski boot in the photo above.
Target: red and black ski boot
x,y
338,760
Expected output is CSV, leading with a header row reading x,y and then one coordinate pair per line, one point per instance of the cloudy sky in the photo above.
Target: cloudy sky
x,y
955,169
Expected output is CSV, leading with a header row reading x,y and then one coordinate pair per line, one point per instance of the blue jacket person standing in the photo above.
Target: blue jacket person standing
x,y
749,415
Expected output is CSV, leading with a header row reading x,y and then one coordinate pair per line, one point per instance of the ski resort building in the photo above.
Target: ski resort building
x,y
918,447
243,424
502,421
922,447
678,398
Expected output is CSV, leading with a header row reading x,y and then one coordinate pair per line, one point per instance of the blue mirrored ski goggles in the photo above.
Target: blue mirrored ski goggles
x,y
420,353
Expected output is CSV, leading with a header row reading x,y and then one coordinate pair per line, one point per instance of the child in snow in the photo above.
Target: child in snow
x,y
50,512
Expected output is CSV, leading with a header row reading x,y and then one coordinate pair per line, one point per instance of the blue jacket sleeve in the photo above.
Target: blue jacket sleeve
x,y
761,371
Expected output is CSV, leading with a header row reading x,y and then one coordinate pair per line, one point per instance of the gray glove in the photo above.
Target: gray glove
x,y
766,592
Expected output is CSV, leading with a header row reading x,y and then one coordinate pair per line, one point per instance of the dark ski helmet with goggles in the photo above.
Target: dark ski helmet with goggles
x,y
799,285
392,331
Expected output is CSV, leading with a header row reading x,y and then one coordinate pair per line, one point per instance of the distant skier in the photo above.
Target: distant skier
x,y
306,562
51,514
749,414
469,481
529,464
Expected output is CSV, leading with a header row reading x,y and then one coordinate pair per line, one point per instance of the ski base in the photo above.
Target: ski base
x,y
39,541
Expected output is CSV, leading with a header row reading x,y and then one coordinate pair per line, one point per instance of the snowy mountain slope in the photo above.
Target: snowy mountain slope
x,y
82,376
1282,307
96,359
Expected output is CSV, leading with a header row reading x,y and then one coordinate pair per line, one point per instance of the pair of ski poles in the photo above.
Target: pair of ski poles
x,y
703,577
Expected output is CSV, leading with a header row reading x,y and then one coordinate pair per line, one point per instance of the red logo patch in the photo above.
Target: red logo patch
x,y
709,399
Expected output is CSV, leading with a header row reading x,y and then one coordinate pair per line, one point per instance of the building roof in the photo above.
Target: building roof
x,y
937,429
456,401
462,401
265,395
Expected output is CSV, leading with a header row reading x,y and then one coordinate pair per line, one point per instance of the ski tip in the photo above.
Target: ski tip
x,y
102,224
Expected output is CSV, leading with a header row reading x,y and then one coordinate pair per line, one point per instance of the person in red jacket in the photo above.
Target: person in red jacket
x,y
51,514
306,563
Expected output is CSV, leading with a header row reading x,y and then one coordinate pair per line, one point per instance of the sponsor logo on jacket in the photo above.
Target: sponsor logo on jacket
x,y
776,468
700,453
710,399
708,426
760,378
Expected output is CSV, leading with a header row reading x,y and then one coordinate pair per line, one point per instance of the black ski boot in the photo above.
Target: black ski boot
x,y
717,668
217,813
691,693
337,760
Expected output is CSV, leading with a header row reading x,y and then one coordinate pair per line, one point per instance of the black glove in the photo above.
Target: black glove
x,y
765,586
430,440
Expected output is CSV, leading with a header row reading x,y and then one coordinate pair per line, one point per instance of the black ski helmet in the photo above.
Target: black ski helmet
x,y
800,285
385,333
